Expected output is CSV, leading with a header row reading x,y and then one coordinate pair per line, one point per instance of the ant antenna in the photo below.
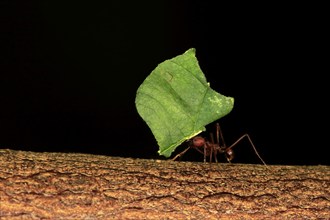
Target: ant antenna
x,y
254,148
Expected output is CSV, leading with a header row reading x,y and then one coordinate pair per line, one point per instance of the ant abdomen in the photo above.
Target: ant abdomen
x,y
198,141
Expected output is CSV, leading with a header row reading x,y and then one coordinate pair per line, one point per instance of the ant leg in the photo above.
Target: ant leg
x,y
254,148
211,154
221,146
210,146
219,132
205,153
182,153
215,156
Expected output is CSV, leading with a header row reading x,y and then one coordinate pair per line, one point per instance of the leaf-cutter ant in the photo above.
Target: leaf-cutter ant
x,y
210,149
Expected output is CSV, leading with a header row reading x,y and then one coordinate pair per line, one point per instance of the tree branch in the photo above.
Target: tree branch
x,y
82,186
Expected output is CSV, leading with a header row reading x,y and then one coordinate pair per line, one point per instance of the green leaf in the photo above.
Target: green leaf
x,y
176,102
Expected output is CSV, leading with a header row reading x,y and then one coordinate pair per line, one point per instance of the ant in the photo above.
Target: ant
x,y
211,148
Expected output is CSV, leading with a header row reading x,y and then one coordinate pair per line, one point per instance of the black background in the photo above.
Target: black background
x,y
70,70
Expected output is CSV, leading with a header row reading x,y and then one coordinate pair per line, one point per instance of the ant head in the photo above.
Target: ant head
x,y
229,154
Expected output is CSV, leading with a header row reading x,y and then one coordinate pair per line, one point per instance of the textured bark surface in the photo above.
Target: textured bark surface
x,y
81,186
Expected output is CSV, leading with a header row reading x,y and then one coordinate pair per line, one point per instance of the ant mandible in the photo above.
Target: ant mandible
x,y
211,148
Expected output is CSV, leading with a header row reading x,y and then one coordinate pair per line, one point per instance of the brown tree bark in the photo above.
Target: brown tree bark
x,y
81,186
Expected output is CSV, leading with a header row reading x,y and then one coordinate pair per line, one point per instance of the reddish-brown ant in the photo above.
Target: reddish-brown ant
x,y
211,148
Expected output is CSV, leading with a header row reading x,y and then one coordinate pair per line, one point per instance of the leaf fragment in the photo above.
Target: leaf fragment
x,y
177,102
